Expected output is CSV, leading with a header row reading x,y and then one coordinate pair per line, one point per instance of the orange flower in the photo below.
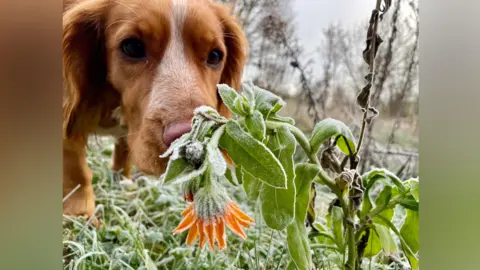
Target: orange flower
x,y
206,218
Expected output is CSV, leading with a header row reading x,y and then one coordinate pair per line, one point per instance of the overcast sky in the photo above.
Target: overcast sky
x,y
312,16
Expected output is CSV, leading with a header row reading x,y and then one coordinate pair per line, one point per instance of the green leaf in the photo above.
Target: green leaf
x,y
256,125
297,239
328,128
388,244
252,186
278,205
282,119
253,156
409,203
385,214
228,96
214,156
413,186
175,168
232,175
336,223
374,246
383,198
242,107
370,177
412,259
409,230
266,102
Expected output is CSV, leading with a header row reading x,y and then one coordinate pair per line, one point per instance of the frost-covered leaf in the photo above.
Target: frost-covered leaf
x,y
413,186
282,119
336,223
210,114
370,177
228,96
412,259
256,125
374,246
383,199
216,160
328,128
278,205
241,106
232,176
252,186
297,239
253,156
175,168
388,244
409,230
266,102
385,177
214,156
188,175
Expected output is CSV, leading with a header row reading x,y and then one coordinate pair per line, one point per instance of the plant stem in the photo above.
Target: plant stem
x,y
372,72
301,139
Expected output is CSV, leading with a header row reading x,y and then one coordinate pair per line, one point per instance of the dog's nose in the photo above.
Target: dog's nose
x,y
175,130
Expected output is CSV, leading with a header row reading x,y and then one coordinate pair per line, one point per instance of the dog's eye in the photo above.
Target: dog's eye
x,y
133,48
214,58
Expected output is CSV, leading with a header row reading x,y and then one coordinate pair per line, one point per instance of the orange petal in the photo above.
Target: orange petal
x,y
232,223
244,223
220,234
186,223
210,235
201,232
227,158
239,213
192,234
187,210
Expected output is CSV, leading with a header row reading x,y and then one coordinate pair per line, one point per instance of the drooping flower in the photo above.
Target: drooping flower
x,y
205,218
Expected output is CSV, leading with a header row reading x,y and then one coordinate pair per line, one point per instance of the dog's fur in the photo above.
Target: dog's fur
x,y
107,93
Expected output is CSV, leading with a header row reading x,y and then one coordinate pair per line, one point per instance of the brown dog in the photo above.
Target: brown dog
x,y
136,69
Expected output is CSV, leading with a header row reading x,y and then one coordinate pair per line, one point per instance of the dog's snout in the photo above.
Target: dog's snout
x,y
175,130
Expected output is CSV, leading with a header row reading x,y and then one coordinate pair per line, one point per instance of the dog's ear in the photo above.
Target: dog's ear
x,y
84,66
237,51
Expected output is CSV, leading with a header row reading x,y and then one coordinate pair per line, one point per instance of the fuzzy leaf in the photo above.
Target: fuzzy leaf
x,y
214,156
388,244
228,96
383,198
374,246
216,160
256,125
265,102
409,230
232,175
412,259
253,156
413,186
242,106
297,239
336,223
251,185
282,119
382,174
328,128
278,205
175,168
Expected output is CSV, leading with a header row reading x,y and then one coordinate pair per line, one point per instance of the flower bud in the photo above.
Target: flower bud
x,y
194,153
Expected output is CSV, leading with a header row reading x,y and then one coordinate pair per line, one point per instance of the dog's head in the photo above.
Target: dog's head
x,y
157,59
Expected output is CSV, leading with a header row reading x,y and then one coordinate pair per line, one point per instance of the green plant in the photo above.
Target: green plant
x,y
261,145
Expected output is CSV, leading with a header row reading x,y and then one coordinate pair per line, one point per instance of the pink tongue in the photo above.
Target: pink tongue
x,y
175,131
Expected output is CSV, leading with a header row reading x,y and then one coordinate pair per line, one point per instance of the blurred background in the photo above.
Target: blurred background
x,y
310,53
